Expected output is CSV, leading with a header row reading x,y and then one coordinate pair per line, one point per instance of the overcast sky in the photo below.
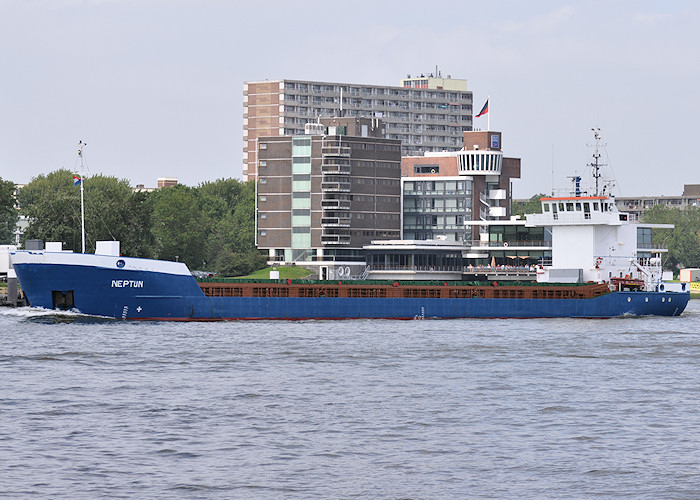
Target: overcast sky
x,y
155,87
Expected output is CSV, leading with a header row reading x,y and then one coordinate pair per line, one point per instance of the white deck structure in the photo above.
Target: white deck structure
x,y
593,241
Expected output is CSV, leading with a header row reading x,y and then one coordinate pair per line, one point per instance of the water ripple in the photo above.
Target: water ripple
x,y
446,409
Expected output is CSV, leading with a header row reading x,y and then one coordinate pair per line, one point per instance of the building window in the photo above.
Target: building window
x,y
301,217
644,237
263,163
263,180
301,200
301,165
301,237
263,145
426,169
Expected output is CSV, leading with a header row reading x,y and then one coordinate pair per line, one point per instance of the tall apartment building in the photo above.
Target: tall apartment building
x,y
425,113
324,194
443,192
637,205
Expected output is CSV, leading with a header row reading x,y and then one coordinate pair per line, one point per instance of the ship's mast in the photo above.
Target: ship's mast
x,y
596,160
81,145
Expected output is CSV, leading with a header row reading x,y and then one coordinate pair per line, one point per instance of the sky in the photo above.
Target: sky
x,y
155,88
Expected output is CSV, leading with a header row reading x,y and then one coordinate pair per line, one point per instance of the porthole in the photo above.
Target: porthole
x,y
629,299
669,299
646,299
663,299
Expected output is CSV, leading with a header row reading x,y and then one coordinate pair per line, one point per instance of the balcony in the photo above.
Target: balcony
x,y
335,204
335,187
335,168
335,237
497,194
328,150
335,221
497,211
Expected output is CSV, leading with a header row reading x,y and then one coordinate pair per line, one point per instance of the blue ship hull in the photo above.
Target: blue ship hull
x,y
129,292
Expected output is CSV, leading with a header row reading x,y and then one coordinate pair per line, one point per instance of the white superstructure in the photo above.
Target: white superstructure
x,y
593,241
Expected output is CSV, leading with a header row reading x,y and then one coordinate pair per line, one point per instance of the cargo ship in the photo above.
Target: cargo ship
x,y
109,285
603,265
142,289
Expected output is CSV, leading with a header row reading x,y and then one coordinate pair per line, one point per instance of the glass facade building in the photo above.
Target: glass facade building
x,y
436,208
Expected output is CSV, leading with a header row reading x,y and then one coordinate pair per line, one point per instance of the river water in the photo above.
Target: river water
x,y
553,408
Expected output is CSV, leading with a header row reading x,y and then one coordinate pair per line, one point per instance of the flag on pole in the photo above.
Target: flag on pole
x,y
77,180
484,110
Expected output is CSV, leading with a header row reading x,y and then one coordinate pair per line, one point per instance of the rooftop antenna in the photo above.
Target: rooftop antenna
x,y
552,169
596,157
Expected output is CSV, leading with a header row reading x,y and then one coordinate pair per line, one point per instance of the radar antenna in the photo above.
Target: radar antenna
x,y
596,157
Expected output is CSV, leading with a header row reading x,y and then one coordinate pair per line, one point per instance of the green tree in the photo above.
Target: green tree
x,y
51,203
230,246
181,224
531,206
8,212
231,191
112,212
683,240
209,227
